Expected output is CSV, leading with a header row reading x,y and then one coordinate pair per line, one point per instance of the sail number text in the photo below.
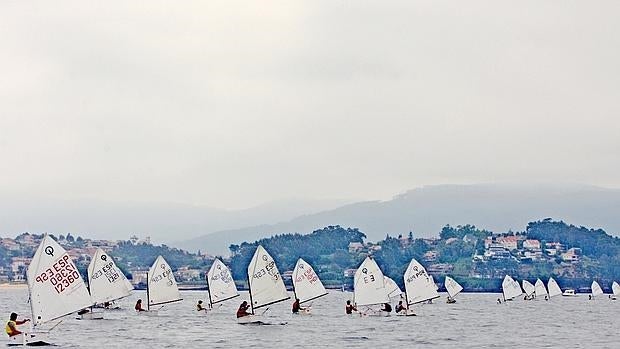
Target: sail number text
x,y
109,271
61,274
270,269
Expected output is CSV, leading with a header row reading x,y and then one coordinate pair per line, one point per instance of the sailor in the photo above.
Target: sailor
x,y
199,306
297,307
450,300
11,326
349,308
499,301
400,308
387,308
243,310
138,306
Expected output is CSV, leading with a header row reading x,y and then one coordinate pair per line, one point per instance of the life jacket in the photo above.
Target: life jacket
x,y
9,329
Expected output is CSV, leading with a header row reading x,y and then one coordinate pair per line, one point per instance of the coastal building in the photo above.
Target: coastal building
x,y
355,247
430,256
440,268
531,244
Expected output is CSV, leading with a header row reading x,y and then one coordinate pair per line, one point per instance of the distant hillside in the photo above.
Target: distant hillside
x,y
163,222
496,207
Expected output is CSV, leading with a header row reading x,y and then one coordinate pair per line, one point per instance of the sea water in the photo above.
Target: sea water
x,y
475,321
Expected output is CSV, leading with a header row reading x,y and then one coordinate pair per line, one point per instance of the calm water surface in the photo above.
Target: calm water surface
x,y
476,321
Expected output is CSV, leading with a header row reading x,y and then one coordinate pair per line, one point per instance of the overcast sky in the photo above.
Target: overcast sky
x,y
231,104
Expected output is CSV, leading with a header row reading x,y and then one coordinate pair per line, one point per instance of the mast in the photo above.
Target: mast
x,y
148,307
250,292
209,292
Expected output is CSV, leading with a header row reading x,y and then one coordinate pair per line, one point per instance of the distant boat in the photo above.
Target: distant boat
x,y
596,289
306,284
419,285
510,288
615,288
539,289
266,285
453,288
161,286
554,288
569,292
529,289
392,289
369,287
221,286
106,282
56,289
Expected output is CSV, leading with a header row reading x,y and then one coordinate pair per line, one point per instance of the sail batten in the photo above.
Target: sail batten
x,y
162,286
221,284
369,284
419,285
55,285
306,282
266,284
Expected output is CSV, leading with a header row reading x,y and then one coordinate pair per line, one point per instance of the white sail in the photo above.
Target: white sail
x,y
221,284
161,285
510,288
528,288
266,284
540,289
306,282
554,288
391,287
105,281
55,285
596,289
615,289
419,286
369,284
452,287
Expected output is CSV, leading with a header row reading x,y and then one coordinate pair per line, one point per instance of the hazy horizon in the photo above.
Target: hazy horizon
x,y
236,104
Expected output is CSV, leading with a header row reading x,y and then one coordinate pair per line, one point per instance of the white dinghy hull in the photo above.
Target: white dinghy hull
x,y
33,339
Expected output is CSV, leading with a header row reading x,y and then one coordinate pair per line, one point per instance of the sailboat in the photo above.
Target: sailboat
x,y
529,289
266,285
554,288
56,289
306,284
106,281
369,287
161,286
615,289
510,288
392,289
539,289
453,288
221,284
419,285
596,289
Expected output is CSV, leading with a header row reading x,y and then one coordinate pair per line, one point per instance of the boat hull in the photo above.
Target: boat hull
x,y
33,339
92,315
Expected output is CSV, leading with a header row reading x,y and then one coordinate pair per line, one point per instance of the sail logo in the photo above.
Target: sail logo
x,y
61,275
